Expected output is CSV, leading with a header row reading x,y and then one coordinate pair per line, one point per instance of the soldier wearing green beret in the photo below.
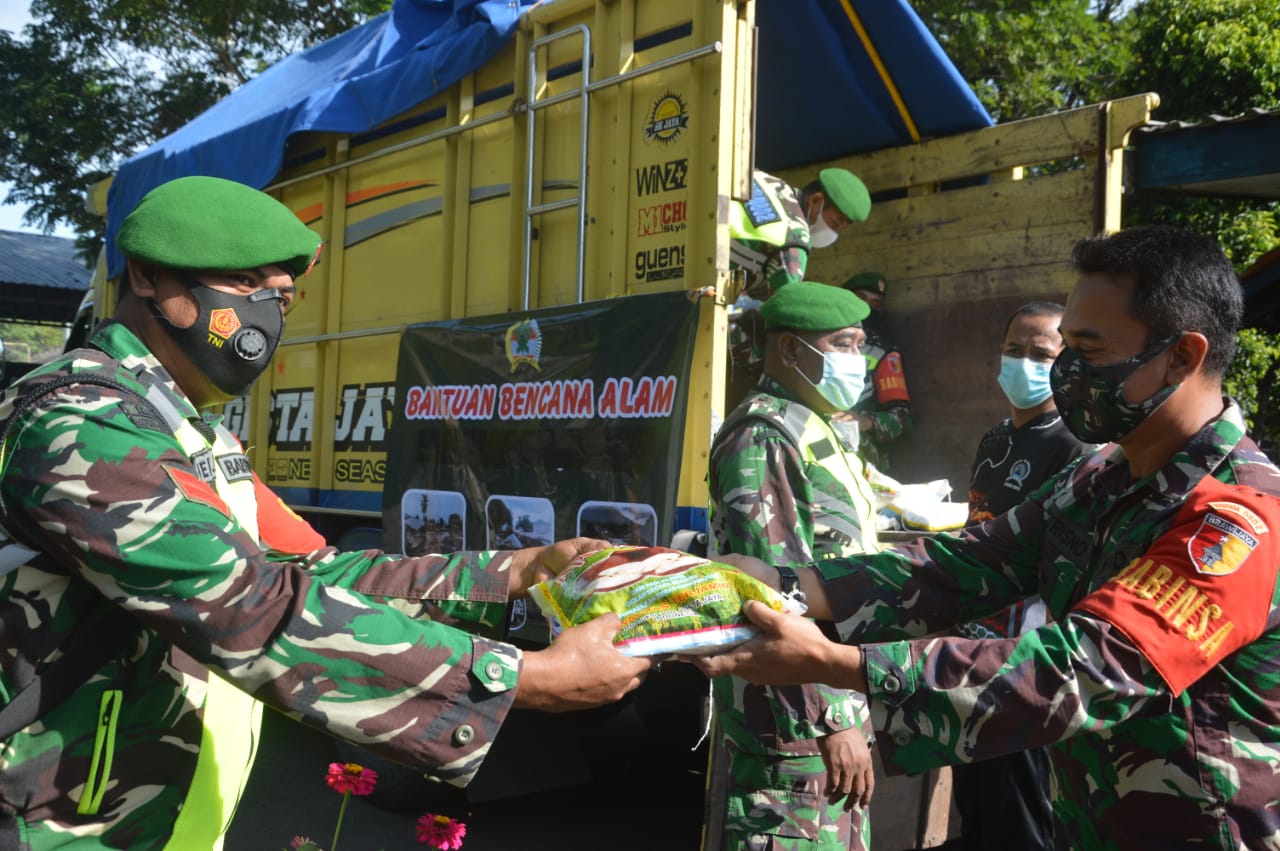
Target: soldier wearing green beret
x,y
776,228
883,413
773,233
155,595
786,488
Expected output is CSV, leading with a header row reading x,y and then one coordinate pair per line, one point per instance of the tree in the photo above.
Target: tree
x,y
1206,58
91,82
26,343
1029,57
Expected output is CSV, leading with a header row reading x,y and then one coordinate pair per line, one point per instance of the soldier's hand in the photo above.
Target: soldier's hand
x,y
790,650
580,669
850,776
532,565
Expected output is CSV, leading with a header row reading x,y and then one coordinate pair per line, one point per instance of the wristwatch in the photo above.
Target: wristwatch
x,y
790,583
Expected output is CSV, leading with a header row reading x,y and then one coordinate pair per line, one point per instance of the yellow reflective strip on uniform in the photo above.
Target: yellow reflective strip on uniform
x,y
773,233
228,746
229,741
239,496
847,469
104,744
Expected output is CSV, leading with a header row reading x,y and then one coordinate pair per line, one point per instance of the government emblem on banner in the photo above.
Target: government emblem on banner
x,y
1219,546
524,344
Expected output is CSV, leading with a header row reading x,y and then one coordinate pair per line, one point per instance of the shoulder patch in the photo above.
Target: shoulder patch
x,y
195,490
1219,547
144,416
1203,589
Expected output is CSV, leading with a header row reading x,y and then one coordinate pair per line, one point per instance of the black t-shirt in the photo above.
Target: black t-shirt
x,y
1013,462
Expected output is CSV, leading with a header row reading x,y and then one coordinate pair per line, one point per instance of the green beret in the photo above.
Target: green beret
x,y
211,223
847,192
873,281
810,306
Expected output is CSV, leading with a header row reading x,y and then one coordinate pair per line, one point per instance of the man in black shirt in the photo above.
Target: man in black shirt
x,y
1004,802
1032,445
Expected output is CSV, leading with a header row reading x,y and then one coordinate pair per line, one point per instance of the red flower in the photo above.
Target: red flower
x,y
351,777
441,832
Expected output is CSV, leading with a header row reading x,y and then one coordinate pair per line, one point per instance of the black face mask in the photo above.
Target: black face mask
x,y
234,336
1090,399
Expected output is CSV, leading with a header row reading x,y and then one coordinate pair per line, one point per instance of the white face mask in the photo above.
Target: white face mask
x,y
820,233
843,376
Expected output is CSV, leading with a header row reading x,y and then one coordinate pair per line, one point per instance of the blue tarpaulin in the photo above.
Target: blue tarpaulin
x,y
835,77
839,77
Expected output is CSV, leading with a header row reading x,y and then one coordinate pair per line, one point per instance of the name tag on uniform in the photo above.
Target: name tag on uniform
x,y
759,208
236,467
203,462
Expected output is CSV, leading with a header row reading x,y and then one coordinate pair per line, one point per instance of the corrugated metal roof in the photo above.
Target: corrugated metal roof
x,y
43,261
1250,114
1220,157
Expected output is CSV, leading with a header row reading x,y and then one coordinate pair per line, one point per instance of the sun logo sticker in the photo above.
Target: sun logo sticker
x,y
1219,546
223,322
667,118
524,344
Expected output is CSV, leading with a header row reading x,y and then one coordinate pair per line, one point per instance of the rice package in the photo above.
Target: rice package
x,y
668,601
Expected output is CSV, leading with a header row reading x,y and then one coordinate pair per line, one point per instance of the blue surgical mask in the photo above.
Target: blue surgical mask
x,y
1024,381
843,376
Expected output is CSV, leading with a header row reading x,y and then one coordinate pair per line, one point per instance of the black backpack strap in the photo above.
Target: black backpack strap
x,y
88,650
90,646
95,640
27,400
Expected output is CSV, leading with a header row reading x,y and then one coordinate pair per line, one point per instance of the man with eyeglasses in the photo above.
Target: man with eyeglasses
x,y
1155,686
772,235
154,595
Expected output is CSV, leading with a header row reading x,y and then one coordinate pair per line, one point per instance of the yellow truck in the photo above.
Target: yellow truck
x,y
527,185
517,330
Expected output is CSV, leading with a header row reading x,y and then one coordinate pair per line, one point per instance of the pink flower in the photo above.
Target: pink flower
x,y
441,832
303,842
351,777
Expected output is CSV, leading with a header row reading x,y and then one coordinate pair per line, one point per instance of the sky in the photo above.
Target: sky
x,y
14,15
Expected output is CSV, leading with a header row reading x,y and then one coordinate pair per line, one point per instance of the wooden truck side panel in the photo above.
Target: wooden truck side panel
x,y
966,229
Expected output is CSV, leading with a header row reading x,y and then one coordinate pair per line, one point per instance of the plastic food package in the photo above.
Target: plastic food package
x,y
668,601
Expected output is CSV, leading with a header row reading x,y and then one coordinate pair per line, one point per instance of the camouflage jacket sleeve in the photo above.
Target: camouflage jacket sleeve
x,y
931,699
763,497
1203,588
931,584
334,642
786,266
890,424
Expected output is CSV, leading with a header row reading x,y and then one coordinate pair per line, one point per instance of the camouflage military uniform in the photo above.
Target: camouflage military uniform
x,y
885,400
93,479
770,236
779,500
771,245
1156,689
